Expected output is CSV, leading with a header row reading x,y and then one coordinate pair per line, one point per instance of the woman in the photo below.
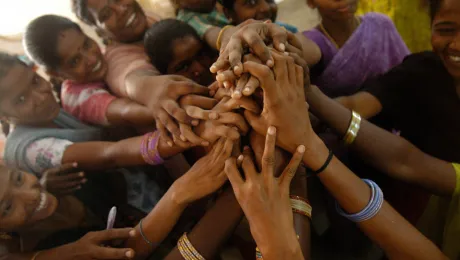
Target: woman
x,y
343,37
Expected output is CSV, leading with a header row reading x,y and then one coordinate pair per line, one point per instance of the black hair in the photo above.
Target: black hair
x,y
80,9
7,61
434,7
41,37
229,4
158,41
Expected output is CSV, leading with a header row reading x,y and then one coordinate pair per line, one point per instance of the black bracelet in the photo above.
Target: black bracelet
x,y
310,172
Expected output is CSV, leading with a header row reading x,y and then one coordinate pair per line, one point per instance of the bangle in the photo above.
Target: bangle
x,y
300,205
187,250
143,235
149,148
219,38
36,255
310,172
371,209
353,128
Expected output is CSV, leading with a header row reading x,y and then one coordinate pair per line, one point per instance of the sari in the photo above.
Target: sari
x,y
371,50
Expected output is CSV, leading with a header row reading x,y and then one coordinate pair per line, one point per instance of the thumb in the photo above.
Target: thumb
x,y
256,121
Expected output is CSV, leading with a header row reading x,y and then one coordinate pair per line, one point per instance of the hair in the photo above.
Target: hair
x,y
41,37
80,9
158,41
7,61
229,4
434,7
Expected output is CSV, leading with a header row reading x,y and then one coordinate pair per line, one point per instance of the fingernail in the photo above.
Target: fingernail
x,y
213,116
246,148
235,128
236,68
226,84
183,138
246,91
236,94
213,69
286,53
132,233
271,130
81,174
282,47
240,158
84,180
75,164
129,254
170,144
205,143
270,63
301,149
220,77
195,122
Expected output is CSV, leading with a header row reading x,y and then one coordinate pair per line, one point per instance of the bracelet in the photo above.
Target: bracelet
x,y
143,235
371,209
187,250
300,205
353,128
36,255
149,148
310,172
219,38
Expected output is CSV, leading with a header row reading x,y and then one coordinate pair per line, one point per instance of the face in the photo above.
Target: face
x,y
335,9
26,98
22,200
253,9
192,60
81,59
120,20
201,6
445,37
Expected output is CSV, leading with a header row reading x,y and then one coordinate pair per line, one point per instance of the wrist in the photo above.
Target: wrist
x,y
177,195
286,248
316,153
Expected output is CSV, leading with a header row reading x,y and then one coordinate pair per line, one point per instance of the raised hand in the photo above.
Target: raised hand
x,y
63,180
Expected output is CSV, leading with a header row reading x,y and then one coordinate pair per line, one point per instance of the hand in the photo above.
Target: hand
x,y
284,102
265,198
282,158
90,246
63,180
206,175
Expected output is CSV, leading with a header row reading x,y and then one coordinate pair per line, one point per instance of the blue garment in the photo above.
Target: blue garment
x,y
288,27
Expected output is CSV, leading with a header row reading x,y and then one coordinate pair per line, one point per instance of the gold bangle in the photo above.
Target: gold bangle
x,y
187,250
301,207
219,38
183,251
353,128
36,255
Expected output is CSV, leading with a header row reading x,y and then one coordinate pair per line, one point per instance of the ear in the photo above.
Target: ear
x,y
311,4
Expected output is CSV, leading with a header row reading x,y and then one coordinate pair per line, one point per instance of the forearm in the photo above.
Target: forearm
x,y
138,85
311,51
19,256
211,35
123,111
158,223
388,152
388,229
57,253
215,227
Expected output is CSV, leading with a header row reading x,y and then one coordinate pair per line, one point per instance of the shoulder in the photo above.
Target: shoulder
x,y
378,18
423,63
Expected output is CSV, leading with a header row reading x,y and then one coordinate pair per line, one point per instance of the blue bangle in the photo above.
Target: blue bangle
x,y
371,209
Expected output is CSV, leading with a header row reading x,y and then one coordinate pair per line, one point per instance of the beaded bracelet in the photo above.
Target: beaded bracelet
x,y
371,209
300,205
353,128
187,250
149,148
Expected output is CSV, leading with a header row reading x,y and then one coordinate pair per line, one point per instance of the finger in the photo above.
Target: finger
x,y
251,86
189,135
112,234
258,46
198,100
244,102
222,63
181,143
256,122
223,92
176,111
169,123
227,131
279,36
213,88
63,169
233,174
300,75
263,74
202,114
235,52
69,191
164,134
289,173
100,252
280,69
234,119
69,177
226,152
226,77
298,60
186,87
293,50
294,41
292,70
249,168
240,84
218,146
268,158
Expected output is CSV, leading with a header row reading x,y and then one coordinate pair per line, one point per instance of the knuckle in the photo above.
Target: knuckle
x,y
269,160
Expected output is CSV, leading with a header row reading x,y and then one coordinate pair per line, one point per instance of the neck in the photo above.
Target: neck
x,y
340,31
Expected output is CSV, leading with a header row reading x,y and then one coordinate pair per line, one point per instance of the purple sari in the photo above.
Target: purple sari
x,y
372,50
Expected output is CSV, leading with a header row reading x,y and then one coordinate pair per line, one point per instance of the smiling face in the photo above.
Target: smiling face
x,y
26,98
121,20
445,37
22,200
191,59
335,10
80,57
252,9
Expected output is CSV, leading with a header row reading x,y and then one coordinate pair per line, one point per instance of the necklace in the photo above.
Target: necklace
x,y
324,31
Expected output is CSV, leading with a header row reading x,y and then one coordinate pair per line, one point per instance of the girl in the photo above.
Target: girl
x,y
175,48
353,48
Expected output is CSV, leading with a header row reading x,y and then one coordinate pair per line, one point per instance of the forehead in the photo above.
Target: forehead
x,y
17,77
186,47
449,10
69,41
97,5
